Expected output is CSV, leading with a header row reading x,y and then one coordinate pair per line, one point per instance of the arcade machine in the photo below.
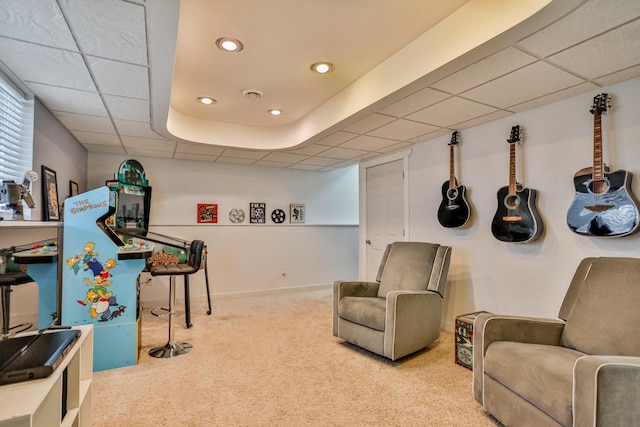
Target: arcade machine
x,y
131,221
100,278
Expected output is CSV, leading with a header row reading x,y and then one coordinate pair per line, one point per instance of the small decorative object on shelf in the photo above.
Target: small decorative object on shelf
x,y
257,213
207,213
464,339
296,214
278,216
236,215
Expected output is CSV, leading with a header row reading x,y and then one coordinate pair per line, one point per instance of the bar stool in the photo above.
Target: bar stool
x,y
194,258
7,280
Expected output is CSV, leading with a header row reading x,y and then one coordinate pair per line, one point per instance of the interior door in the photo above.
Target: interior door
x,y
385,211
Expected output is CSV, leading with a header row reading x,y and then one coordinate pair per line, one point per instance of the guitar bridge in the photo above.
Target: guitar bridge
x,y
511,218
599,208
452,207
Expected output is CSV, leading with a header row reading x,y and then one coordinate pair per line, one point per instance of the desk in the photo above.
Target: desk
x,y
39,403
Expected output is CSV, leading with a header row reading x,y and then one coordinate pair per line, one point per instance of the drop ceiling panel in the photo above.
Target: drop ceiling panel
x,y
136,110
149,152
450,111
494,66
556,96
138,129
208,150
480,120
394,147
118,78
40,64
337,138
109,28
94,138
432,135
309,150
148,144
612,51
415,102
284,157
85,123
369,123
300,166
619,76
523,85
69,100
319,161
367,143
592,18
244,154
343,153
36,21
106,149
271,164
234,160
402,130
199,157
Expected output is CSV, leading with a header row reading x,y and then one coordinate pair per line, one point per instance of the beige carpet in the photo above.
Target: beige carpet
x,y
272,360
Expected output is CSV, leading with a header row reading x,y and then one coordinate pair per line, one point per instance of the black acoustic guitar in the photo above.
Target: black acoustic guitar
x,y
454,211
517,219
603,204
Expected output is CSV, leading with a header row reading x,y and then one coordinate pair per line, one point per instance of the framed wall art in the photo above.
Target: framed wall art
x,y
73,188
207,213
50,194
296,214
257,213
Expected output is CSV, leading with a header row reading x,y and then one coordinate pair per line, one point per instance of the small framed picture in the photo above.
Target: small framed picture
x,y
257,213
207,213
50,194
296,213
73,188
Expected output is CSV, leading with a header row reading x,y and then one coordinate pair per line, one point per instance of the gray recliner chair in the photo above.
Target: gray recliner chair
x,y
399,313
582,370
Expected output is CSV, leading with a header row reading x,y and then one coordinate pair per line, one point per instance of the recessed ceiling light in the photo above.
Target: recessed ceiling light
x,y
229,44
275,111
322,67
206,100
252,94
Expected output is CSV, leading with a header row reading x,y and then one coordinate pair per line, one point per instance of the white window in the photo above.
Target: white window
x,y
16,131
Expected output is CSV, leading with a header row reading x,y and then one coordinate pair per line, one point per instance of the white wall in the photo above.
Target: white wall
x,y
528,279
250,257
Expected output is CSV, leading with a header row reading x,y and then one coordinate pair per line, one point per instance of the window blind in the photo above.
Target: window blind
x,y
16,132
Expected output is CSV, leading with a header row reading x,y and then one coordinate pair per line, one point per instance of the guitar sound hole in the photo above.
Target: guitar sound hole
x,y
598,186
512,202
452,193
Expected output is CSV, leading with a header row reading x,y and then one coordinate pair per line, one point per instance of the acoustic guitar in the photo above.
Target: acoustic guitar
x,y
454,211
517,219
603,204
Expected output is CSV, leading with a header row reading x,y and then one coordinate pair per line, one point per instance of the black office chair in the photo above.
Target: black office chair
x,y
194,260
7,280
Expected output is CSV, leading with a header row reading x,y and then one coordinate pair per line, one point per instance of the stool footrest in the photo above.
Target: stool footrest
x,y
160,311
170,349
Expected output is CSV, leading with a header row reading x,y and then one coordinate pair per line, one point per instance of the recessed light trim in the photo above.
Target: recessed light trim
x,y
206,100
322,67
252,94
275,111
229,44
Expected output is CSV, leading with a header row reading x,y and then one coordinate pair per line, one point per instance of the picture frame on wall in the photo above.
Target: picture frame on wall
x,y
73,188
257,213
207,213
50,194
296,213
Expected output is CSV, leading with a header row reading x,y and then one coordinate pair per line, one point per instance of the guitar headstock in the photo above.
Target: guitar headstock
x,y
515,134
600,104
455,138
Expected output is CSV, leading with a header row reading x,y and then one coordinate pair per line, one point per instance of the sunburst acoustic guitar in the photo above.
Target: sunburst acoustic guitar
x,y
454,211
603,204
517,219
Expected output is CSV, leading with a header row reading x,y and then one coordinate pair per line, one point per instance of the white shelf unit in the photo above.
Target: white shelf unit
x,y
39,403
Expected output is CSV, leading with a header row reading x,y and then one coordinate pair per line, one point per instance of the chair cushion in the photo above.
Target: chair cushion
x,y
605,317
408,267
366,311
544,374
171,270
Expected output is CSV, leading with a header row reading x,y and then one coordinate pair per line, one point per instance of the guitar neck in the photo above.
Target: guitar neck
x,y
512,169
452,176
598,164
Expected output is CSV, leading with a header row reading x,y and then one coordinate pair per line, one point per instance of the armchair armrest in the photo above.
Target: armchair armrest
x,y
606,390
343,288
412,318
488,328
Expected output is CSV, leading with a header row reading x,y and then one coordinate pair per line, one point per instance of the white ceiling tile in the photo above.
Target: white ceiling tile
x,y
85,123
235,160
40,64
118,78
272,164
590,19
482,119
523,85
69,100
450,111
148,144
415,102
304,167
139,129
94,138
204,149
337,138
487,69
198,157
619,76
319,161
284,157
106,149
342,153
402,130
431,135
366,143
610,52
149,153
394,147
244,154
136,110
556,96
309,150
36,21
369,123
109,28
